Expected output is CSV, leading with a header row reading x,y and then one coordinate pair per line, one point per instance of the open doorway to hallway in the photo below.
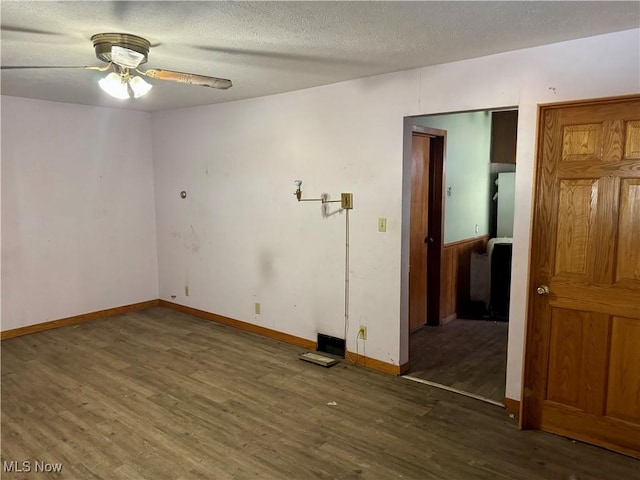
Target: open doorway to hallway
x,y
465,347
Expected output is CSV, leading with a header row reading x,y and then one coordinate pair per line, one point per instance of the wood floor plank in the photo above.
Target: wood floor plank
x,y
469,355
158,394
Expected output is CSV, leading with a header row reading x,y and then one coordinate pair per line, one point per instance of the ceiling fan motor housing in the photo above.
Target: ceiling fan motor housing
x,y
102,43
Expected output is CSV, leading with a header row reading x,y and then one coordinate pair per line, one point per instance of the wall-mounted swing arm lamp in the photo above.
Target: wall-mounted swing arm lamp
x,y
298,192
346,199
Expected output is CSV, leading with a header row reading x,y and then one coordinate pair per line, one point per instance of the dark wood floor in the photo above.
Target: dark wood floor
x,y
468,355
162,395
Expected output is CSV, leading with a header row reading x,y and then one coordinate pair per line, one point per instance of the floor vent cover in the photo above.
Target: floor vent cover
x,y
333,345
318,359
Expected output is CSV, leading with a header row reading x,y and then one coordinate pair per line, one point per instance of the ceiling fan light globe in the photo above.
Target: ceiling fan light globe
x,y
125,57
139,86
113,85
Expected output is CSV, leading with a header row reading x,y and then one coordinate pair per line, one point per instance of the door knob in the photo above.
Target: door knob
x,y
542,290
429,240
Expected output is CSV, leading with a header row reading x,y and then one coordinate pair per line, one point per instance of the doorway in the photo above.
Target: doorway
x,y
462,346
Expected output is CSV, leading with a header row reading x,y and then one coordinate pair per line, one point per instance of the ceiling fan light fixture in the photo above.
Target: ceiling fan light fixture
x,y
124,53
139,86
126,57
104,43
114,86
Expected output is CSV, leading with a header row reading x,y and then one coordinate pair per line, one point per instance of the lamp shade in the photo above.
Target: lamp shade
x,y
139,86
114,86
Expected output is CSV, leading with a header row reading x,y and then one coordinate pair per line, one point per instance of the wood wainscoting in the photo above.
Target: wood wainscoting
x,y
455,275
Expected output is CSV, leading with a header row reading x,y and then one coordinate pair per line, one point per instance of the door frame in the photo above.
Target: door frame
x,y
532,381
435,218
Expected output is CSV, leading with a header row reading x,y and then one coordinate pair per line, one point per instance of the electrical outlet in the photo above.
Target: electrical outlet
x,y
362,332
186,290
382,224
257,308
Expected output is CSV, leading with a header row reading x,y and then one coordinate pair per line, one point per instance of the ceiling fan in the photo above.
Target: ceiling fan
x,y
124,53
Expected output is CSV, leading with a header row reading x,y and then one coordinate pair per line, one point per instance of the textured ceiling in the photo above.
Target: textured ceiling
x,y
273,47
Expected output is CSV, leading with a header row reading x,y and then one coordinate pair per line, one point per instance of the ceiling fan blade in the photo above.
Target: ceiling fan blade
x,y
189,78
33,67
23,67
16,29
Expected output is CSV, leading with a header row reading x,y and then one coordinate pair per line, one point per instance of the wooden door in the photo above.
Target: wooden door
x,y
582,364
419,217
426,228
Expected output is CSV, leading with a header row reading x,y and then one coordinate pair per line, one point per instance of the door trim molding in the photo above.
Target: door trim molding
x,y
585,103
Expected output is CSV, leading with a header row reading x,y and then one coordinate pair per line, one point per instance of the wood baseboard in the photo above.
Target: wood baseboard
x,y
512,406
449,318
76,319
358,359
352,357
265,332
375,364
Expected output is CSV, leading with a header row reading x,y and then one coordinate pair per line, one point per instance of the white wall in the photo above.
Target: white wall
x,y
240,237
468,158
78,219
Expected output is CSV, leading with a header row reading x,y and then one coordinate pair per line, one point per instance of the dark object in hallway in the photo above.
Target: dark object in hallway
x,y
474,310
501,280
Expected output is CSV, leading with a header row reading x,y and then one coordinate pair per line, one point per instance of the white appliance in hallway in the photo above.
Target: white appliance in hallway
x,y
506,199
